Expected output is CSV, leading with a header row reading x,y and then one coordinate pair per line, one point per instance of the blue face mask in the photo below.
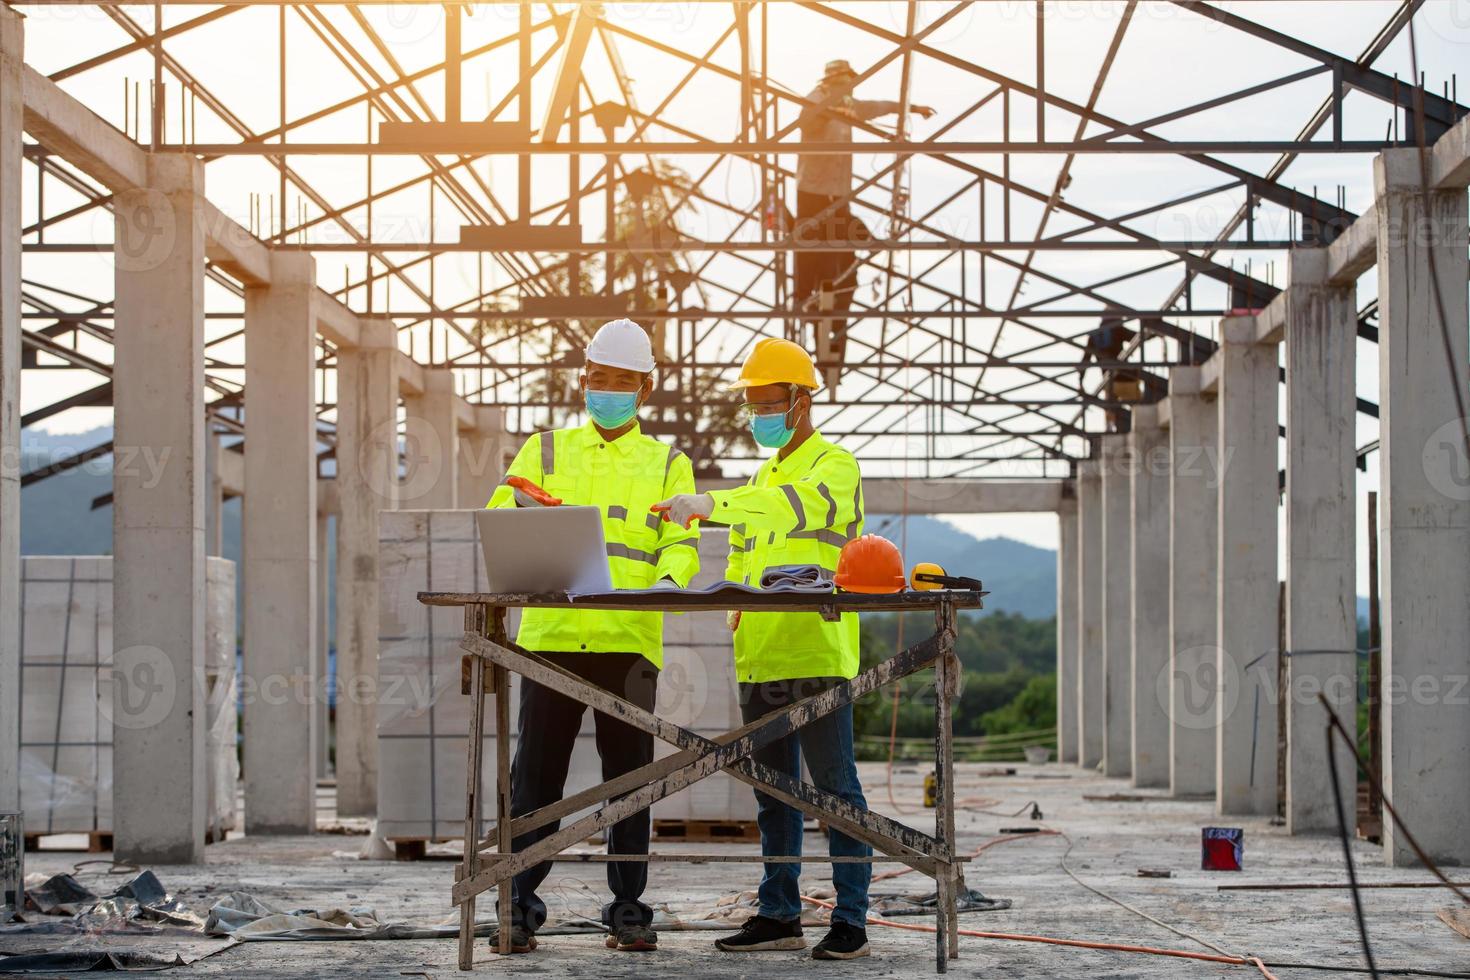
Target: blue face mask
x,y
611,409
771,431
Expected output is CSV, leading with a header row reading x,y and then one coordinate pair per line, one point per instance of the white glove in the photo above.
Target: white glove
x,y
732,619
666,584
684,508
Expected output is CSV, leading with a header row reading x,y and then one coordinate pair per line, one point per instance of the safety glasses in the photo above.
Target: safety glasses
x,y
750,410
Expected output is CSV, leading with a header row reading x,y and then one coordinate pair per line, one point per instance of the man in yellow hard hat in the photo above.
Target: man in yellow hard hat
x,y
800,508
610,464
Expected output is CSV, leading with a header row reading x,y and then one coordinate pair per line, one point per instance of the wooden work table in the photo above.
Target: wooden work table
x,y
490,656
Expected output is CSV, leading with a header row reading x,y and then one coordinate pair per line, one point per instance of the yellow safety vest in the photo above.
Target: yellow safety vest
x,y
624,478
799,510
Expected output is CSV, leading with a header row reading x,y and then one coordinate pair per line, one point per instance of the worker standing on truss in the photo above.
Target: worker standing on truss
x,y
800,508
610,464
824,191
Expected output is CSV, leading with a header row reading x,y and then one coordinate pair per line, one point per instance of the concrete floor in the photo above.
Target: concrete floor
x,y
1111,841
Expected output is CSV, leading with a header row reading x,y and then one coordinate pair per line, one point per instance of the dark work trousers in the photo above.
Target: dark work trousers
x,y
827,746
547,732
815,268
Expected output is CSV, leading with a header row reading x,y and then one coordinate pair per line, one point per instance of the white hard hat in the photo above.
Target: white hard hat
x,y
622,344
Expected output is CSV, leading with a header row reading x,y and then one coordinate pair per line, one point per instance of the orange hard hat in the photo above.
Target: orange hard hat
x,y
870,563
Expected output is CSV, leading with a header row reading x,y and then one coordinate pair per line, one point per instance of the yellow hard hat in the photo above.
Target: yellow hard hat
x,y
777,362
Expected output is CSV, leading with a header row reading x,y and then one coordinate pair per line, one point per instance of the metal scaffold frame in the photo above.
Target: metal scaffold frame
x,y
988,382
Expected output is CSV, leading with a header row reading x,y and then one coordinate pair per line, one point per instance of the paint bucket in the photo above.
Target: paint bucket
x,y
1222,849
12,864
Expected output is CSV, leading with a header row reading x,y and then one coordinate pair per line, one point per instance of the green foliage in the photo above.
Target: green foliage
x,y
1010,679
1034,708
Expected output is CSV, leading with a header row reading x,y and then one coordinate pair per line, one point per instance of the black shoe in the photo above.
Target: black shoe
x,y
761,933
843,942
633,939
521,940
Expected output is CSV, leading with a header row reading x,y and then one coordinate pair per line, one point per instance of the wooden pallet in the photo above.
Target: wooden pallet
x,y
97,841
707,831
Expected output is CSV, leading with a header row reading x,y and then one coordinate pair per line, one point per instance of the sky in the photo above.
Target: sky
x,y
1169,58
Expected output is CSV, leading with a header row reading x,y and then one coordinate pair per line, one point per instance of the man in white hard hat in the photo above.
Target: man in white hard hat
x,y
610,464
824,189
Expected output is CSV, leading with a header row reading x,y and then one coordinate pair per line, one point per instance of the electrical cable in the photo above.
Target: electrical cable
x,y
1076,943
1377,786
1347,855
984,846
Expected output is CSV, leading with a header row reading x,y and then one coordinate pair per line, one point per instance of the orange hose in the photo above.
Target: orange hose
x,y
1078,943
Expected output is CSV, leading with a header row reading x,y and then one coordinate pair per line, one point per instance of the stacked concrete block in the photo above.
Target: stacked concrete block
x,y
66,694
697,690
422,717
222,722
66,700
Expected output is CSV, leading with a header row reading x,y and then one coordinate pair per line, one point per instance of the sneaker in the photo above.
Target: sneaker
x,y
521,941
843,942
633,939
761,933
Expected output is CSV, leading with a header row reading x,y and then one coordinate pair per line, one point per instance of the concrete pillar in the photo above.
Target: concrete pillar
x,y
214,496
1090,621
481,456
1426,511
1321,583
1191,686
1117,613
431,445
323,647
1149,596
279,549
158,699
1246,616
1067,626
11,56
367,478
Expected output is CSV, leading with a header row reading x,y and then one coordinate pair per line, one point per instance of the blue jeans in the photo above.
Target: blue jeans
x,y
827,745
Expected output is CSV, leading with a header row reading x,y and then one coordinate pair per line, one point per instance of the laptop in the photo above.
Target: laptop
x,y
544,549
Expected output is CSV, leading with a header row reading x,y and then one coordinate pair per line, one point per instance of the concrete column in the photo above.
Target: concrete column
x,y
481,452
323,648
1426,511
1117,613
431,445
1067,627
214,496
158,699
1246,617
1192,685
367,479
1149,596
1090,620
279,549
11,57
1321,582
